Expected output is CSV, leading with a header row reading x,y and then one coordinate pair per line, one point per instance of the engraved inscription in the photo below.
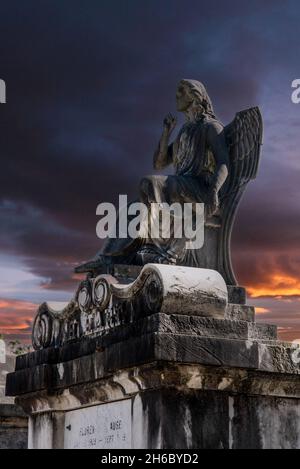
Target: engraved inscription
x,y
106,426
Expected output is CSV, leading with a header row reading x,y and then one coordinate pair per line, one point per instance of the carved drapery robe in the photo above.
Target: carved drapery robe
x,y
198,152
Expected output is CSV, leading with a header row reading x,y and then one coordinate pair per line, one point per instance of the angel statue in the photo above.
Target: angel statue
x,y
212,166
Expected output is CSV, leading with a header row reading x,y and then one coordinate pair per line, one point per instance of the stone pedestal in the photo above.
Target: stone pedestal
x,y
164,381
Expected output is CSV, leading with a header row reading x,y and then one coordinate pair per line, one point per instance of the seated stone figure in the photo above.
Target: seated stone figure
x,y
212,166
134,277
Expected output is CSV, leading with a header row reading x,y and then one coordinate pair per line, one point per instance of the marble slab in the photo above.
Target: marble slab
x,y
106,426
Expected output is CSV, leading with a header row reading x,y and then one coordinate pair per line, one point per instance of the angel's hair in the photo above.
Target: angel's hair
x,y
200,94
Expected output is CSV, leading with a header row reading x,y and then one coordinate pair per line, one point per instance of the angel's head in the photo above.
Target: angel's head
x,y
192,96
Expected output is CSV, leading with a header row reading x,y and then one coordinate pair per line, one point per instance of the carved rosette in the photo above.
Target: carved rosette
x,y
101,291
49,327
46,328
84,296
153,292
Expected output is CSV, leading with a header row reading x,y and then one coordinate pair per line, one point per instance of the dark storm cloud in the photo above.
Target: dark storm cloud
x,y
88,85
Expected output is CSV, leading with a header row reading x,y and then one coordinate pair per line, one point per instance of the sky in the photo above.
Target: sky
x,y
88,85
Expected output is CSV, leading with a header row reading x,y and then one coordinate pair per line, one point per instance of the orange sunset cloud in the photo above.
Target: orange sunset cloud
x,y
276,285
259,310
16,316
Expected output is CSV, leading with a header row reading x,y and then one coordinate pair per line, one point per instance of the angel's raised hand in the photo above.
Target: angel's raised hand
x,y
170,123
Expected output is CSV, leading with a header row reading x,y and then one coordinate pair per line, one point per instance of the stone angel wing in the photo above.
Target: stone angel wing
x,y
244,139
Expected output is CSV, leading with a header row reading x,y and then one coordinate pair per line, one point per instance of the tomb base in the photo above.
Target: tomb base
x,y
165,382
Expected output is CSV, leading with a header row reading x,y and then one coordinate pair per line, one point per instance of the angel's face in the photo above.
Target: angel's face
x,y
183,97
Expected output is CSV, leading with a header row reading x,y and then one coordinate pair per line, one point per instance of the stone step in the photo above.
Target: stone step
x,y
237,330
211,327
260,332
236,312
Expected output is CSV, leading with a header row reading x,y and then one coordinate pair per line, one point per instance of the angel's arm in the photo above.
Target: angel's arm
x,y
218,146
163,155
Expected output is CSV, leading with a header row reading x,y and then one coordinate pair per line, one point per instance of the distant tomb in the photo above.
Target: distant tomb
x,y
13,421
